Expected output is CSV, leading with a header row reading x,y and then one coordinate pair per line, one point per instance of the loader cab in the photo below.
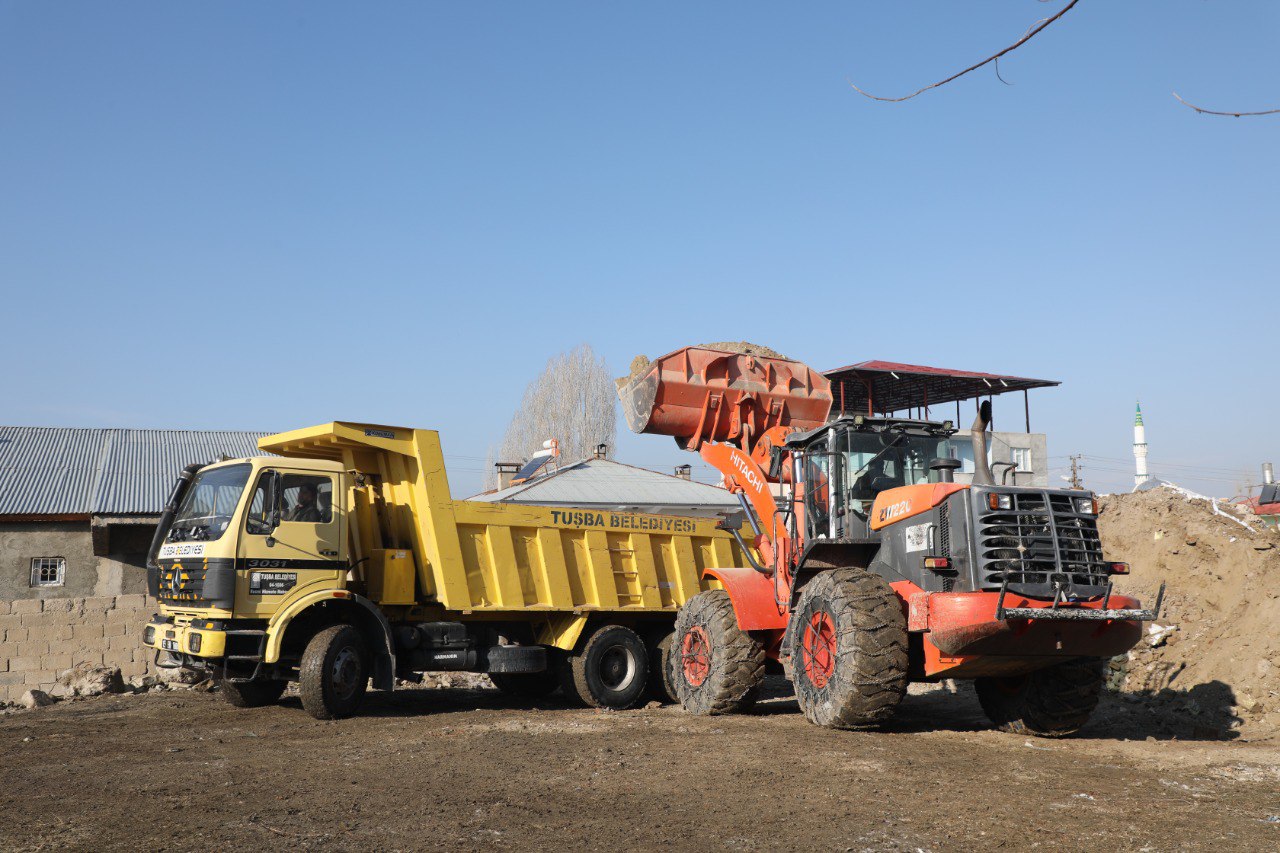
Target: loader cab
x,y
845,464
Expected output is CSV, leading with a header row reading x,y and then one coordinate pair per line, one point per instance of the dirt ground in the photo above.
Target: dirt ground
x,y
471,770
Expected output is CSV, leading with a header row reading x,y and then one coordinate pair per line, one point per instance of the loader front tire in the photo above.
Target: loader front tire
x,y
334,673
715,667
1052,702
848,650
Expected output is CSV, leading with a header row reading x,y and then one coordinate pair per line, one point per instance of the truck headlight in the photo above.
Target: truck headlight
x,y
193,643
149,635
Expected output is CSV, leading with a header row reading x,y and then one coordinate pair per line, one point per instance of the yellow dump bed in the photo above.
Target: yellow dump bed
x,y
472,556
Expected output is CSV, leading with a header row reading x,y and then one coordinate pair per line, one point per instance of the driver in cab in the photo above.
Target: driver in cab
x,y
306,510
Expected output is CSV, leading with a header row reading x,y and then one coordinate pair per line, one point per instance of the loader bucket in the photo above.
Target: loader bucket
x,y
697,394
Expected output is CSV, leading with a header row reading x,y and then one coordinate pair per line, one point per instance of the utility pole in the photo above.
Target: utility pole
x,y
1075,472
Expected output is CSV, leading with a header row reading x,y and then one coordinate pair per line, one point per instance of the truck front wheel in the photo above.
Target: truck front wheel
x,y
715,666
334,673
250,694
848,650
1050,702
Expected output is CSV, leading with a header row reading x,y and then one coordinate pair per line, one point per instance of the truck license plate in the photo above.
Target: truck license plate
x,y
169,645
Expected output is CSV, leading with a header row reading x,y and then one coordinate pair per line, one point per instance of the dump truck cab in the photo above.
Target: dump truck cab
x,y
252,544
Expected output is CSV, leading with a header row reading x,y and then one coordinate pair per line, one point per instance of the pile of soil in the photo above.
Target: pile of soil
x,y
1214,654
641,363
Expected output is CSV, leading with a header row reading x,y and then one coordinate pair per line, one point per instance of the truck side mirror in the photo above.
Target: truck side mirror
x,y
273,500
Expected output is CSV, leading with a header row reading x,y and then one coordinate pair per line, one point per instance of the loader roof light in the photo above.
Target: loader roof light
x,y
1118,568
937,564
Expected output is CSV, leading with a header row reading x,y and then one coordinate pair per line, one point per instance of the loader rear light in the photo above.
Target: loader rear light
x,y
937,564
1117,568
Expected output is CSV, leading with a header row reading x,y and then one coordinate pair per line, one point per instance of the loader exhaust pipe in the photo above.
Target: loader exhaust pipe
x,y
981,467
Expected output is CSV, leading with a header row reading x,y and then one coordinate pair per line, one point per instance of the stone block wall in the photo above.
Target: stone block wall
x,y
39,639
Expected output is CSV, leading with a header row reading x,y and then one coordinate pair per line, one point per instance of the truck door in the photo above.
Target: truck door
x,y
303,548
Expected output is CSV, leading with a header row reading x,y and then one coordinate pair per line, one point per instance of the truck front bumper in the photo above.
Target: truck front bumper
x,y
197,639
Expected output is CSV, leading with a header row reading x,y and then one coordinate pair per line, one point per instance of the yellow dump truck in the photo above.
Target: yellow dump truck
x,y
343,559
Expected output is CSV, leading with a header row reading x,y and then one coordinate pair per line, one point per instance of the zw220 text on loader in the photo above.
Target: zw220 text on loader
x,y
876,568
344,559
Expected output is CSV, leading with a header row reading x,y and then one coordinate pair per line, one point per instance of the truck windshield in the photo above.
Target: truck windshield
x,y
875,461
209,503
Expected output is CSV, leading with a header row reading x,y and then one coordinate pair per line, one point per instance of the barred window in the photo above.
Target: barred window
x,y
48,571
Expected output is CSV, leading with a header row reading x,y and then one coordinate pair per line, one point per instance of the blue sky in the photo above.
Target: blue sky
x,y
261,216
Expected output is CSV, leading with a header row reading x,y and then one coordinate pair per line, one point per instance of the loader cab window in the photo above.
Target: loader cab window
x,y
878,460
303,499
817,490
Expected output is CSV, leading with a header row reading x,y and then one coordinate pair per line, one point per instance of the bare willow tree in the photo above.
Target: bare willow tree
x,y
572,401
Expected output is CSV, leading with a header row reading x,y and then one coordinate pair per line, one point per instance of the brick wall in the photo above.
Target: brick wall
x,y
43,638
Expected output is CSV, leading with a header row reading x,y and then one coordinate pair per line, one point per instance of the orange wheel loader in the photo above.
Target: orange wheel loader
x,y
874,567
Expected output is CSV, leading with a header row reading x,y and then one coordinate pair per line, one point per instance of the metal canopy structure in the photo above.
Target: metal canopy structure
x,y
885,387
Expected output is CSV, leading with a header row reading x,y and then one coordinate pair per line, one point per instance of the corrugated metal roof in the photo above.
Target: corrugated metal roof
x,y
603,482
56,471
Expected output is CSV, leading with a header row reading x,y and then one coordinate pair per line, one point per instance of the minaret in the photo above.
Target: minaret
x,y
1140,475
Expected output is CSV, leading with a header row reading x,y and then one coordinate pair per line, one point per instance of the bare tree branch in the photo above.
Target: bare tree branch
x,y
1036,29
998,77
1203,111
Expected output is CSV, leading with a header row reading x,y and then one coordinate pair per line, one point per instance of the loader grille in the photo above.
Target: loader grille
x,y
1040,537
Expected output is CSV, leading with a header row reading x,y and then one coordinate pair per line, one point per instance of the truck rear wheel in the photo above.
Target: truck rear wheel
x,y
250,694
1050,702
661,687
715,667
610,671
334,673
848,650
526,685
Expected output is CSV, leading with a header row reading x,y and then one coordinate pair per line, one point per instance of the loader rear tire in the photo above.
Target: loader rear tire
x,y
251,694
526,685
611,670
848,650
334,673
1052,702
715,667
